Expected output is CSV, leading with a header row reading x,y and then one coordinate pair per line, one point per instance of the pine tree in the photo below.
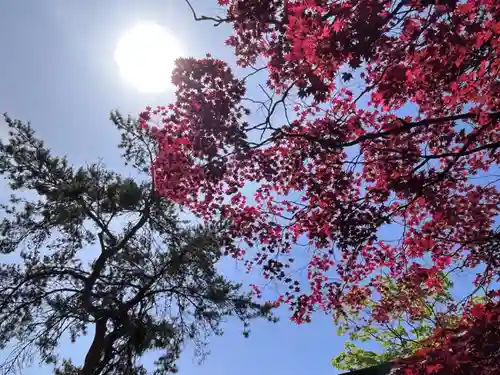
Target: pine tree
x,y
152,285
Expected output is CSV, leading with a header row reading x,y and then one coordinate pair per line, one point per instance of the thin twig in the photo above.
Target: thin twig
x,y
217,20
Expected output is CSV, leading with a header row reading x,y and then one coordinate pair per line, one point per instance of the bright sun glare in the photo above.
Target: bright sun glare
x,y
145,56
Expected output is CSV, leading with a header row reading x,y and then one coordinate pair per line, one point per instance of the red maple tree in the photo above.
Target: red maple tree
x,y
413,144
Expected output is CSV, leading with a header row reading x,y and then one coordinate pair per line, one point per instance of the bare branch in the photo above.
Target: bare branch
x,y
217,20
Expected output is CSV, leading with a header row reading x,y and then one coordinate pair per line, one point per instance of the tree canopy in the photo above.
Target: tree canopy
x,y
94,252
399,338
389,124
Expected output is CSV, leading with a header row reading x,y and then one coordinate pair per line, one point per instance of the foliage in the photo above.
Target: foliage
x,y
94,252
398,339
389,123
470,347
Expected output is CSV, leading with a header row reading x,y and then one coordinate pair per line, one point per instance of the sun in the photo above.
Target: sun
x,y
145,56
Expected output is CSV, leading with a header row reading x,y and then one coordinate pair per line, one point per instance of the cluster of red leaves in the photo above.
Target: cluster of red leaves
x,y
470,348
418,172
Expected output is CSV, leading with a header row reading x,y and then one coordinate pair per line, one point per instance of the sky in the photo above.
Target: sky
x,y
58,71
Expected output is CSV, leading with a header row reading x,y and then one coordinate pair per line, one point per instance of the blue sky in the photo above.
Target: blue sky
x,y
57,71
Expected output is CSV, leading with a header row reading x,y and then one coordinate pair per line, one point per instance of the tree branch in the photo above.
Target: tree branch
x,y
217,20
370,136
